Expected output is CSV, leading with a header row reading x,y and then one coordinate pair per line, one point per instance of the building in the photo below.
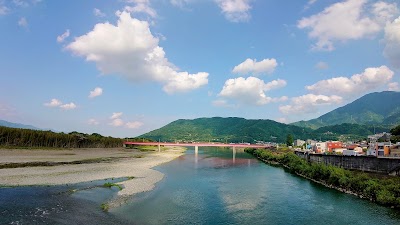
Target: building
x,y
299,142
383,148
332,145
395,150
320,147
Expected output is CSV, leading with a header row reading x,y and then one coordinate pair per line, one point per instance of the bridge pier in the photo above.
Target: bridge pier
x,y
159,147
196,149
233,154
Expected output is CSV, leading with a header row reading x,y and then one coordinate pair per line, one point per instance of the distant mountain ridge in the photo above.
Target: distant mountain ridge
x,y
378,108
231,129
17,125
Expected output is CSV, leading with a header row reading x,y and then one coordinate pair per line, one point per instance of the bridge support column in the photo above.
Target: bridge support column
x,y
196,149
159,147
233,154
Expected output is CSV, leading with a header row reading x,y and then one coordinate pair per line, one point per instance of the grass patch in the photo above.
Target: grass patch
x,y
130,178
105,207
110,185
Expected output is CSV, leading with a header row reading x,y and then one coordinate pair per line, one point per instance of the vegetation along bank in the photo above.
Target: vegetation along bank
x,y
383,190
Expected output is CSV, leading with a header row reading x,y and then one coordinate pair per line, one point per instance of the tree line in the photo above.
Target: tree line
x,y
383,190
15,137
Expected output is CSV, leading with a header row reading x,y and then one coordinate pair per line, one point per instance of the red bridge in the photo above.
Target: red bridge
x,y
196,145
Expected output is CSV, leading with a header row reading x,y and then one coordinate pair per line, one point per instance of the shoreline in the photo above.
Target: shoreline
x,y
84,165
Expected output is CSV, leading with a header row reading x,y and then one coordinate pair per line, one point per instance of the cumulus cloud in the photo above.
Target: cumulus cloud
x,y
117,123
53,103
96,92
250,66
130,50
63,36
235,10
392,42
97,12
116,115
180,3
348,20
20,3
3,10
250,90
22,22
68,106
309,4
140,6
134,125
93,122
394,86
358,84
308,103
322,65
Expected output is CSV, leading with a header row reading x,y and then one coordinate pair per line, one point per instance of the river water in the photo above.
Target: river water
x,y
215,186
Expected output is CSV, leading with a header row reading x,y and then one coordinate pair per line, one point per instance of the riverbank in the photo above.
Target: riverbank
x,y
383,190
63,167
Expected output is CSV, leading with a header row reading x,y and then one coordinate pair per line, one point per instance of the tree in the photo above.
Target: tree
x,y
289,140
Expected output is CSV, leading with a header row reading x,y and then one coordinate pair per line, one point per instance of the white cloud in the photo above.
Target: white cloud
x,y
185,82
392,42
22,22
116,115
134,125
250,66
96,92
140,6
348,20
322,65
250,90
235,10
222,103
130,50
53,103
282,120
394,86
358,84
63,36
309,4
117,123
180,3
97,12
68,106
3,10
308,103
93,122
20,3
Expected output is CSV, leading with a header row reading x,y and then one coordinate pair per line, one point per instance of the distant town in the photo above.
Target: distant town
x,y
377,145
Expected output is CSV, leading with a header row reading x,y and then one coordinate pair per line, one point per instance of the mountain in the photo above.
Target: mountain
x,y
226,130
379,108
17,125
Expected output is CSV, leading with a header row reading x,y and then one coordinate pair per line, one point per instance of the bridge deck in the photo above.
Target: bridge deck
x,y
196,144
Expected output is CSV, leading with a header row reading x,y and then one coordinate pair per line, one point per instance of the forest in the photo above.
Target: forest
x,y
16,137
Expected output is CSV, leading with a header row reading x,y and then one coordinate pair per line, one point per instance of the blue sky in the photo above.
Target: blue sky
x,y
125,67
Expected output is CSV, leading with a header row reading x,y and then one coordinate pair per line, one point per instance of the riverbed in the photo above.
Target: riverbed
x,y
212,186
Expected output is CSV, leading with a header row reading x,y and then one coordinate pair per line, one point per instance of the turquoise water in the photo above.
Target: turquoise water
x,y
215,187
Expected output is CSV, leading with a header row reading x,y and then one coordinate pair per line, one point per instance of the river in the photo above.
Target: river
x,y
215,186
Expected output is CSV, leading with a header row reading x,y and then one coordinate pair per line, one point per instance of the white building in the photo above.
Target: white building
x,y
320,147
299,142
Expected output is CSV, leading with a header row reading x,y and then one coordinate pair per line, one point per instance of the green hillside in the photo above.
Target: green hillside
x,y
379,108
237,130
227,130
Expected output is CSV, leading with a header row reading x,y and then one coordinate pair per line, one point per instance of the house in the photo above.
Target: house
x,y
383,148
299,142
331,145
395,150
320,147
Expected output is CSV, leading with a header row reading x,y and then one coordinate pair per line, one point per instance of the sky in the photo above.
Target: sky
x,y
125,67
